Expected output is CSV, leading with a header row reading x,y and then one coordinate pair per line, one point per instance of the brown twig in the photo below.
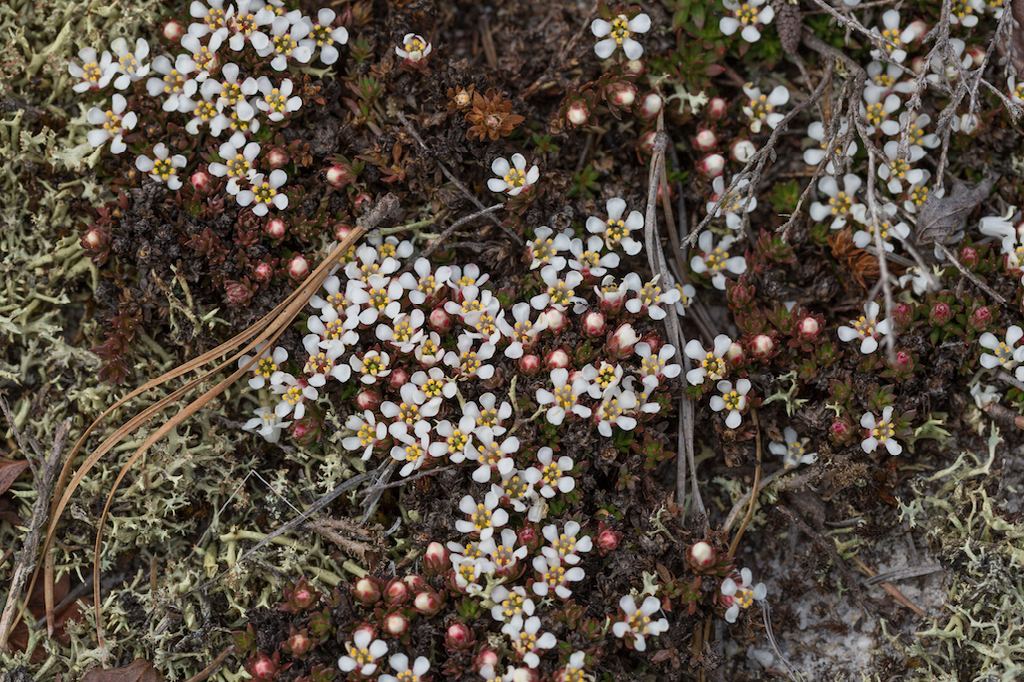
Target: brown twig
x,y
208,670
753,498
447,232
891,589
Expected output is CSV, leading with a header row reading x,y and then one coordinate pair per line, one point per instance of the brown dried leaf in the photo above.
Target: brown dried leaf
x,y
10,470
139,670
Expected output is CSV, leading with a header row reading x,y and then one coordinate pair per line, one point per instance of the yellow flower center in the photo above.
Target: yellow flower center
x,y
266,367
619,30
746,14
515,178
264,193
163,168
840,204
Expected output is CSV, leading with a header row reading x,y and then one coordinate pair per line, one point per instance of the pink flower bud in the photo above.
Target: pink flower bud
x,y
485,657
368,399
341,230
263,272
303,597
705,140
237,293
264,668
622,341
981,318
711,166
735,353
201,181
594,323
528,364
440,320
577,114
415,582
93,238
608,541
298,267
337,177
808,328
976,54
427,603
761,346
701,554
173,31
396,624
396,592
459,637
647,142
918,64
530,538
969,257
651,105
940,314
398,378
435,559
635,67
557,359
366,591
915,31
717,108
902,315
555,320
740,151
276,158
361,202
276,228
300,644
623,94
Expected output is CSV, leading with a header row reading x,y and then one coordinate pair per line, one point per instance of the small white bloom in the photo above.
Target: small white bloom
x,y
203,58
510,603
552,473
129,63
877,105
175,82
469,363
285,43
792,451
267,424
544,248
899,168
739,596
842,203
483,517
400,662
162,167
620,32
715,260
828,146
265,367
732,399
565,546
323,35
512,180
489,413
890,38
277,101
368,433
411,448
760,108
880,433
616,231
747,16
712,364
866,329
238,164
264,193
587,258
1003,354
553,577
373,365
414,48
560,292
563,399
294,392
94,73
457,439
522,333
492,456
656,366
363,652
649,297
526,641
735,203
114,123
426,283
638,623
615,409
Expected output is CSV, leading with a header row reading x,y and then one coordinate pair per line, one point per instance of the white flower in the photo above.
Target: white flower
x,y
866,329
963,13
429,351
638,621
206,112
522,333
945,68
321,365
400,662
506,555
985,394
457,439
741,596
128,63
526,641
264,193
890,38
876,106
552,474
468,276
748,16
363,652
285,44
828,147
483,517
564,397
1004,353
213,19
410,448
565,546
880,433
323,35
265,367
414,48
544,249
371,366
230,93
712,364
574,669
332,329
760,108
732,399
864,238
427,284
898,167
560,292
468,363
277,101
511,180
554,578
94,74
715,260
792,451
734,204
842,204
238,164
620,32
489,414
653,367
588,259
616,231
919,281
294,392
242,123
1015,89
368,432
175,83
603,378
244,24
510,603
650,297
888,76
917,192
114,123
204,58
614,410
492,457
269,425
161,168
404,332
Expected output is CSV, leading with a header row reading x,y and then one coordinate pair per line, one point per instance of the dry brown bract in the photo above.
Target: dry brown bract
x,y
460,98
491,117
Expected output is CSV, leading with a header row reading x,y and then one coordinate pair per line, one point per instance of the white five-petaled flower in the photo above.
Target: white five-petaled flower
x,y
371,366
713,364
842,203
760,108
492,456
263,192
400,662
739,596
614,229
489,413
483,517
457,439
963,13
323,35
792,451
162,167
866,329
732,399
638,623
265,366
880,432
899,168
748,16
544,248
876,106
414,48
203,58
267,424
285,43
828,147
128,66
554,577
619,32
653,367
735,203
552,474
563,398
512,178
114,123
506,555
864,238
322,362
560,292
650,297
427,281
510,603
469,363
587,257
521,332
363,652
333,329
404,332
212,19
230,93
411,448
890,38
238,164
175,82
277,101
294,392
368,432
94,73
566,546
715,260
615,409
1003,354
527,642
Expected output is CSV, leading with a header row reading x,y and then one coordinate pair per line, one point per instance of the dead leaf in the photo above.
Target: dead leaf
x,y
37,607
10,470
139,670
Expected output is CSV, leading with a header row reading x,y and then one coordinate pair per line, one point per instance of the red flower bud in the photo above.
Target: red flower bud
x,y
717,108
173,31
396,592
981,318
700,555
940,314
435,559
635,67
396,624
337,177
459,637
362,201
367,591
276,158
557,359
623,94
646,143
608,541
918,64
902,315
528,364
93,239
276,228
341,230
651,106
263,272
594,324
761,346
841,431
303,597
578,113
265,668
299,644
298,267
237,293
201,181
705,140
969,257
485,657
530,538
440,320
398,378
427,603
368,399
711,166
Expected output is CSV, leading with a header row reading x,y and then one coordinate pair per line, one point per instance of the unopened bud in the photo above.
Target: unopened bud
x,y
366,591
647,142
735,353
555,319
276,158
263,272
368,399
578,114
594,323
276,228
761,346
396,624
623,94
608,541
459,637
435,559
918,65
427,603
93,238
705,140
398,378
634,66
300,644
651,105
740,151
298,267
622,341
440,320
915,31
201,181
485,657
396,592
341,230
701,554
528,364
557,359
337,177
264,668
808,328
711,166
717,108
976,54
173,31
